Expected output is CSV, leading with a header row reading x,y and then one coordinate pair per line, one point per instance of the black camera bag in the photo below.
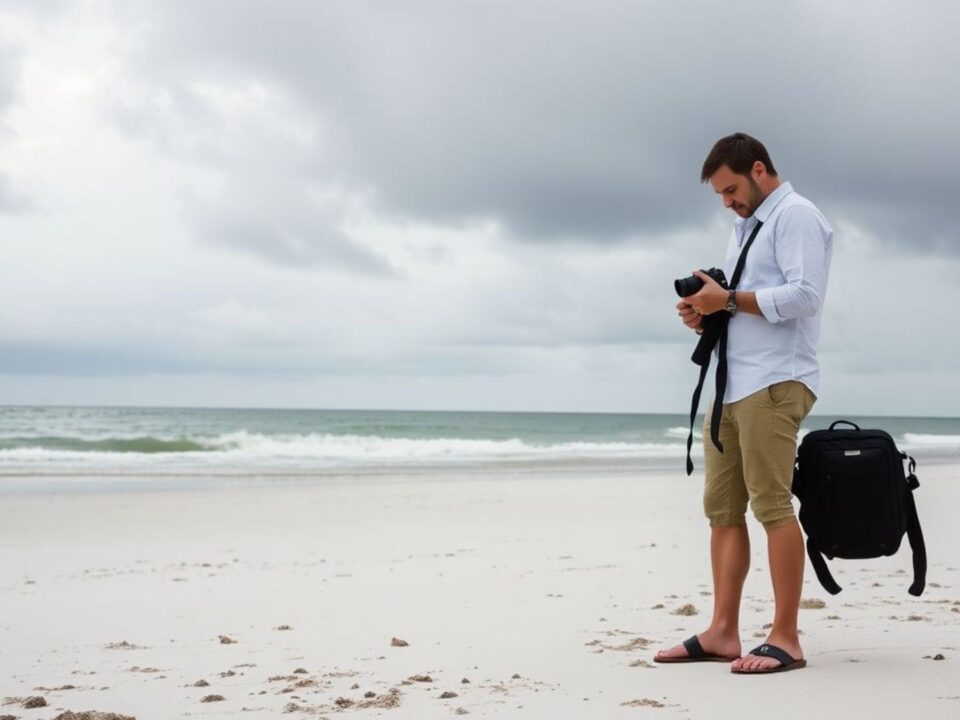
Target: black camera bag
x,y
855,500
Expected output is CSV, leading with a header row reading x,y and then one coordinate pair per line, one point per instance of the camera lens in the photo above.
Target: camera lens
x,y
688,286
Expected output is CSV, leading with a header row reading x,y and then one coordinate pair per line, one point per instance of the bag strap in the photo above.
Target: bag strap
x,y
820,567
914,533
701,356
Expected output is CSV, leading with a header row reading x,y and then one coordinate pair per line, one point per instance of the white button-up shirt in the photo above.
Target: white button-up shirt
x,y
787,266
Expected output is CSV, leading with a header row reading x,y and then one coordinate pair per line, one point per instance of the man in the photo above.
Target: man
x,y
772,382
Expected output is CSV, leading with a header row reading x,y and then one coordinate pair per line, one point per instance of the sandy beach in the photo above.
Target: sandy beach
x,y
501,595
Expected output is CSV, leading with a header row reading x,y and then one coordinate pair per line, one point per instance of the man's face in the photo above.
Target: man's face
x,y
740,193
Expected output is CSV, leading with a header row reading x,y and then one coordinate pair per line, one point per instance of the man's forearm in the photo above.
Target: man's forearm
x,y
747,302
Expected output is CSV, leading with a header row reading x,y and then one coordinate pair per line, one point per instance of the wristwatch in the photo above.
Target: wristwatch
x,y
731,303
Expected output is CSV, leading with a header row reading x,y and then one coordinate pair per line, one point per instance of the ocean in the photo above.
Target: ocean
x,y
77,444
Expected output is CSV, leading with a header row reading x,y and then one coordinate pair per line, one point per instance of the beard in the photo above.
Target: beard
x,y
755,200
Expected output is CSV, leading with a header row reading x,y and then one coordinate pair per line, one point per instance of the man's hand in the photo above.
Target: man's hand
x,y
710,298
690,317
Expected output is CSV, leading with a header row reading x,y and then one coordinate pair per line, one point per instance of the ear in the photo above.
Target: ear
x,y
758,170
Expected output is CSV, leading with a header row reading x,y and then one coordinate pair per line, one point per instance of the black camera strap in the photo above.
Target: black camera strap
x,y
702,353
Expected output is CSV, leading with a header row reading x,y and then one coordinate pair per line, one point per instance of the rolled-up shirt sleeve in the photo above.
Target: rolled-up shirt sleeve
x,y
802,253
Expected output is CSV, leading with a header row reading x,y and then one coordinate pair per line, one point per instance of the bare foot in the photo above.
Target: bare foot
x,y
713,642
751,663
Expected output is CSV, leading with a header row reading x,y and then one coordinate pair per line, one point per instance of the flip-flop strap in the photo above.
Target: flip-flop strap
x,y
772,651
694,648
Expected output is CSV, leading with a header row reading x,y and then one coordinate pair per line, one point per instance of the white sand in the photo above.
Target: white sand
x,y
543,577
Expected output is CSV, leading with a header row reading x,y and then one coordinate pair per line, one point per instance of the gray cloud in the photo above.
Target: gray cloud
x,y
265,203
593,122
12,201
85,359
119,359
278,221
8,75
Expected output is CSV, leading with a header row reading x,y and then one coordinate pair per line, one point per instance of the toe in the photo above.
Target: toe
x,y
752,663
674,652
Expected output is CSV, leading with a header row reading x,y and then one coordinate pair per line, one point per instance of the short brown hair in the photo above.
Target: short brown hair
x,y
738,152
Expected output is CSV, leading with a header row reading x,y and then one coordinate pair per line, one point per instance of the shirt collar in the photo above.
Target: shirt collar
x,y
766,208
763,212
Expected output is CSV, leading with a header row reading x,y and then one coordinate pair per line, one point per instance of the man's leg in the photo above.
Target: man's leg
x,y
768,457
785,551
730,555
725,504
786,555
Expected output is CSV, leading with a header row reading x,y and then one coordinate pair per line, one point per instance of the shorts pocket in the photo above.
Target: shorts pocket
x,y
779,392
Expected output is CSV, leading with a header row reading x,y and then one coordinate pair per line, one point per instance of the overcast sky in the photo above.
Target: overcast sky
x,y
457,205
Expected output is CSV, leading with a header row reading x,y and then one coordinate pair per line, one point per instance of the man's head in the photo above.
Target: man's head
x,y
740,170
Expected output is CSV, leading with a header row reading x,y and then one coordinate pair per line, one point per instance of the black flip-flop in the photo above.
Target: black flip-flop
x,y
772,651
695,653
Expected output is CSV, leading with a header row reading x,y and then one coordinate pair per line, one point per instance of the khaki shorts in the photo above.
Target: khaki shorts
x,y
759,438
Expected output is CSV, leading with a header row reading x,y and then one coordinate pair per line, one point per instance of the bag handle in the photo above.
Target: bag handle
x,y
912,481
837,422
914,533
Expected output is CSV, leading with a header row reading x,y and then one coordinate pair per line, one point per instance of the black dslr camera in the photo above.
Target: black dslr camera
x,y
688,286
712,325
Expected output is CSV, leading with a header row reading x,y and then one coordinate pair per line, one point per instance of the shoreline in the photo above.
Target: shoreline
x,y
17,483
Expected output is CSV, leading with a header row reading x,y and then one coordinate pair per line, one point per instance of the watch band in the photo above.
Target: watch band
x,y
732,302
